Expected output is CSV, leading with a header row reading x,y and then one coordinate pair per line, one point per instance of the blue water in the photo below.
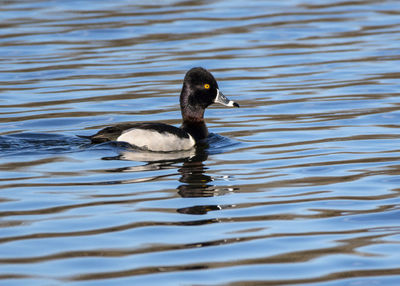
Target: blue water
x,y
298,186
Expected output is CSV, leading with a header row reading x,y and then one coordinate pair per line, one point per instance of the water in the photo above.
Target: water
x,y
298,186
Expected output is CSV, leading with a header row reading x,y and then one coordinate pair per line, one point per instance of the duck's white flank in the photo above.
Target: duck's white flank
x,y
156,141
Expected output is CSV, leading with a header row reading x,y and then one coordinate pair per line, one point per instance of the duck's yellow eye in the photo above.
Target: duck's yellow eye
x,y
206,86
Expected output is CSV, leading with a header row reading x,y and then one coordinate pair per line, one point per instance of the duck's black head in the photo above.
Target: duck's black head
x,y
200,89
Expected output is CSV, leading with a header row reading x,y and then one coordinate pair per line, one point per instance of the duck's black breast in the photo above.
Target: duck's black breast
x,y
149,136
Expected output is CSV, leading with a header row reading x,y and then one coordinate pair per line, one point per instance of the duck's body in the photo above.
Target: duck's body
x,y
157,137
199,90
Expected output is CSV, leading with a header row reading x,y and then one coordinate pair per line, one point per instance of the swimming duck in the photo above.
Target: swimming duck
x,y
199,90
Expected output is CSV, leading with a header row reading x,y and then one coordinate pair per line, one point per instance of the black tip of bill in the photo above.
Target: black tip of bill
x,y
221,99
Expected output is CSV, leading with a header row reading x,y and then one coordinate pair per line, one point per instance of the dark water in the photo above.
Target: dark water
x,y
301,185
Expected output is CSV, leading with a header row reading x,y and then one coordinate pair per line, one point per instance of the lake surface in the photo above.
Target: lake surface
x,y
301,185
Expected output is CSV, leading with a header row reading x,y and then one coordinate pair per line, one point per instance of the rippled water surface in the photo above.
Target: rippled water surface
x,y
301,185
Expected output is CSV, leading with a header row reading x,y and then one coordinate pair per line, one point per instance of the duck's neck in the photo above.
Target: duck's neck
x,y
196,128
192,114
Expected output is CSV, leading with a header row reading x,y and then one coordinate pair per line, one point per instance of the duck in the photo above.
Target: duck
x,y
199,90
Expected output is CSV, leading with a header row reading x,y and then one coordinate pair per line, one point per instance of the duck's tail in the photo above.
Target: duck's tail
x,y
85,137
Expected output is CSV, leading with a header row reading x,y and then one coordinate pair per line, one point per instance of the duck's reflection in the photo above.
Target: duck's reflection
x,y
197,184
195,181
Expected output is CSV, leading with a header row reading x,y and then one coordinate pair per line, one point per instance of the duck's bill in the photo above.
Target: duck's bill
x,y
221,99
